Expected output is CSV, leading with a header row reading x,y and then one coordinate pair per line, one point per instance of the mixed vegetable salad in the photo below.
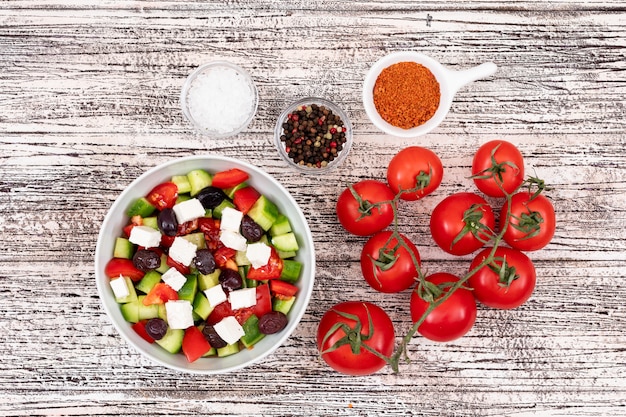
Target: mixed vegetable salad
x,y
206,265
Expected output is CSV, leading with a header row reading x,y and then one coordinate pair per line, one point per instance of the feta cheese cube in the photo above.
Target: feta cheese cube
x,y
233,240
188,210
119,287
229,330
145,236
182,251
179,314
174,279
215,295
245,297
258,254
231,219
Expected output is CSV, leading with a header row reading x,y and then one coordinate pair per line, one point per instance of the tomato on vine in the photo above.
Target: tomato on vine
x,y
355,338
364,208
462,223
498,168
416,169
532,221
451,319
506,282
387,265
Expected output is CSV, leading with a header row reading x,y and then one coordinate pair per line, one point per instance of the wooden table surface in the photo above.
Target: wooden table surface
x,y
89,100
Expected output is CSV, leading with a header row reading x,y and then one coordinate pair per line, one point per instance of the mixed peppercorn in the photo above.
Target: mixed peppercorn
x,y
313,135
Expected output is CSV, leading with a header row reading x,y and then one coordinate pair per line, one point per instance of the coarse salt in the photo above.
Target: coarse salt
x,y
221,100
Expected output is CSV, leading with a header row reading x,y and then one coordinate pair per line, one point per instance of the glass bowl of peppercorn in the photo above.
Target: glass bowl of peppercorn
x,y
313,135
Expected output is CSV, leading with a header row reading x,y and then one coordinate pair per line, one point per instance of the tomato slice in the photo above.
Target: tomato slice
x,y
219,312
125,267
183,269
272,270
211,229
263,301
244,199
263,306
229,178
140,328
194,344
283,288
160,294
225,258
163,195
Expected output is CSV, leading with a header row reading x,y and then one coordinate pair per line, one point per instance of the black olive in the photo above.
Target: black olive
x,y
211,197
272,322
230,280
156,328
251,230
204,261
167,222
146,260
211,336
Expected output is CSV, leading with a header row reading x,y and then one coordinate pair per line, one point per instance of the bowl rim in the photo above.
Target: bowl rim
x,y
337,110
187,86
116,211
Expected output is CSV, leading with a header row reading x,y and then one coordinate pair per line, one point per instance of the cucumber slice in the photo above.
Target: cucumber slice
x,y
198,179
172,341
228,350
201,306
146,312
280,226
189,289
182,182
241,259
217,211
283,305
151,222
252,333
286,242
230,192
211,352
209,280
132,294
197,239
148,281
264,213
141,207
130,312
182,197
291,270
285,255
164,266
123,248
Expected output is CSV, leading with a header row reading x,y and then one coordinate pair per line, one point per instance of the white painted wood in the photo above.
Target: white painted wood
x,y
89,100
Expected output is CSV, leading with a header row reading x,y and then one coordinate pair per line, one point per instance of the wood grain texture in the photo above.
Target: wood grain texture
x,y
89,100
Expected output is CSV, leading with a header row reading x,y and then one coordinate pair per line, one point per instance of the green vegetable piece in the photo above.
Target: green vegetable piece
x,y
198,179
228,350
201,305
132,294
149,280
291,270
164,266
146,312
230,192
130,312
252,333
172,341
283,306
264,213
197,239
141,207
182,182
123,248
209,280
286,242
151,222
280,226
189,289
217,211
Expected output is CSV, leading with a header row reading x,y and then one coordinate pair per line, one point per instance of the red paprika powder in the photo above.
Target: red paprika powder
x,y
406,94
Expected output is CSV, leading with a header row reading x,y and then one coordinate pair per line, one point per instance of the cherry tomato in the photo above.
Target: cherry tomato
x,y
124,267
229,178
461,223
451,319
348,320
388,266
532,221
414,168
498,164
163,195
505,283
363,218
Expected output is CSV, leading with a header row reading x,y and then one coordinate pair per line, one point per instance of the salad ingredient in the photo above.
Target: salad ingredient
x,y
123,267
417,169
194,345
250,229
406,94
244,198
146,260
145,236
167,223
229,178
212,337
505,283
352,335
313,135
364,208
387,265
156,328
204,261
452,318
211,197
272,322
163,195
462,223
498,168
532,221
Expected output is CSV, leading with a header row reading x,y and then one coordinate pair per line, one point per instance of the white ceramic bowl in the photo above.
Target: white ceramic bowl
x,y
449,83
116,219
280,145
220,98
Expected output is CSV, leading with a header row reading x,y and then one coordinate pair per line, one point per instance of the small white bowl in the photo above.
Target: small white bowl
x,y
279,131
449,83
219,98
116,219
